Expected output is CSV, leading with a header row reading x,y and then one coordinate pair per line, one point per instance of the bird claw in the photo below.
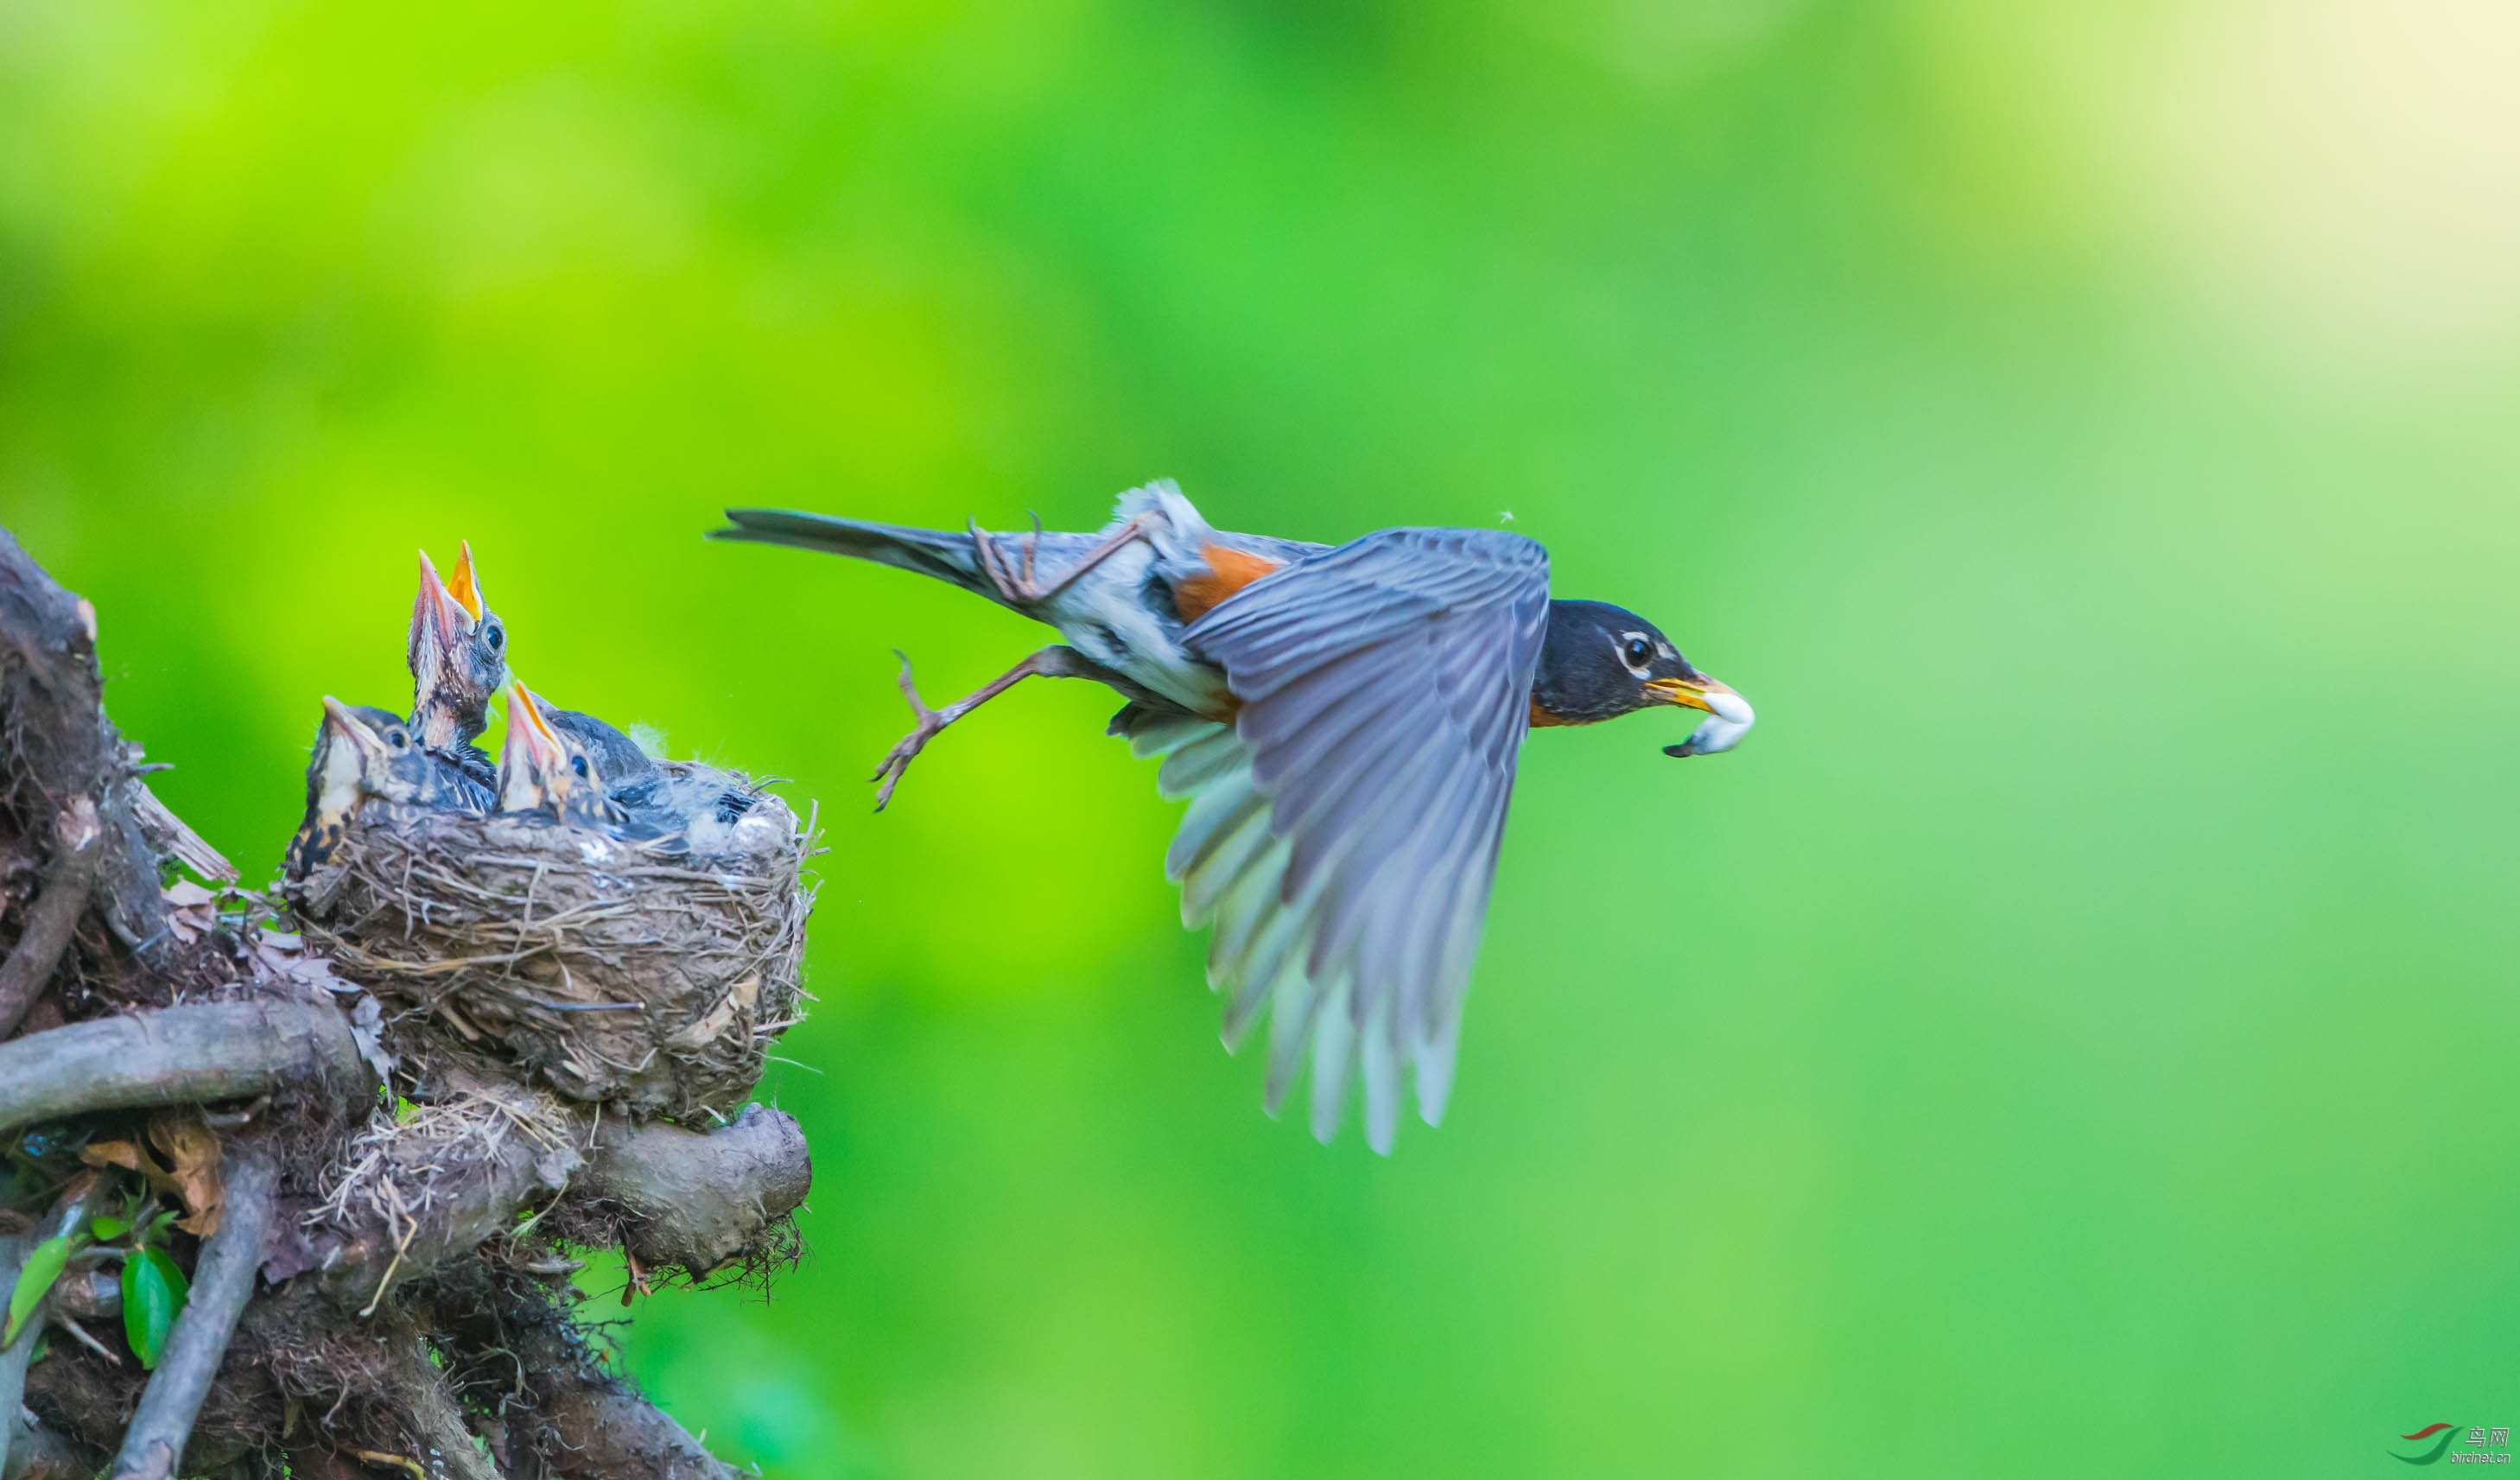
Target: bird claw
x,y
896,762
1014,581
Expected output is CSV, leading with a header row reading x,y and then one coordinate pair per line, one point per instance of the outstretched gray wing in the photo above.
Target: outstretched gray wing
x,y
1344,832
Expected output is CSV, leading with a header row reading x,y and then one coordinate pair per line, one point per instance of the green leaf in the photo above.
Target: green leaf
x,y
153,1295
109,1226
404,1110
43,1266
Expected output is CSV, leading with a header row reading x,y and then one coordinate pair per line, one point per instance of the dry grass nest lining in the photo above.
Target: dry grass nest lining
x,y
618,973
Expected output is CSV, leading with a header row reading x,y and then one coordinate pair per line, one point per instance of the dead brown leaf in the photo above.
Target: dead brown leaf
x,y
192,911
193,1149
129,1155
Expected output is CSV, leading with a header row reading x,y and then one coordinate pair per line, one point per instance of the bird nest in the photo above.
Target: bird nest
x,y
651,977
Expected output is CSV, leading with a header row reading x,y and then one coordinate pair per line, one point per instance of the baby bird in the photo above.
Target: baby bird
x,y
458,661
692,808
624,769
548,765
458,655
365,754
542,770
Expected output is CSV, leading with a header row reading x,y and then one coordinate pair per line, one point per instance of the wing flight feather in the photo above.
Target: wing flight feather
x,y
1345,827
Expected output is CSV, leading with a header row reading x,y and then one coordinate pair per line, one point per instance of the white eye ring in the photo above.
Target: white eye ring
x,y
1627,640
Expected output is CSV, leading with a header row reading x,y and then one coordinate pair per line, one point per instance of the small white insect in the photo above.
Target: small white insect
x,y
1729,718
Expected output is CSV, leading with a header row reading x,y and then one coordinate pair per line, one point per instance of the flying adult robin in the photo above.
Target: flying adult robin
x,y
1347,720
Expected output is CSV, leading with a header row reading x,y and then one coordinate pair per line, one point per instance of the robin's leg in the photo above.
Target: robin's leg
x,y
1014,580
1053,661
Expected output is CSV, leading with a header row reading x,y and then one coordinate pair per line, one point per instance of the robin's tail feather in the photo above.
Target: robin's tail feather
x,y
948,557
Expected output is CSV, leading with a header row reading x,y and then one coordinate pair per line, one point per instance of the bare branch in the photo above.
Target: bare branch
x,y
63,1322
692,1200
77,842
222,1283
695,1199
191,1055
169,834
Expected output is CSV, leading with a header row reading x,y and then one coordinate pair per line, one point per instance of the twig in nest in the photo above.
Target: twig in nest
x,y
78,842
79,1334
385,1282
221,1283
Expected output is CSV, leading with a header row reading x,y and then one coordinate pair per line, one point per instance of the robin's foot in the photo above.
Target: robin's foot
x,y
1014,577
1053,662
896,763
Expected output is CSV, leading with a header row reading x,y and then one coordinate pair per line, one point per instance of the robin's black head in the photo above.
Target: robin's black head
x,y
1600,662
458,656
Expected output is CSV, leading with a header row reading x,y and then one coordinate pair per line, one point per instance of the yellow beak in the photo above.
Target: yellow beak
x,y
339,719
465,588
1713,695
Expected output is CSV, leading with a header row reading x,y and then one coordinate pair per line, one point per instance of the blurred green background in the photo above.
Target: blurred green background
x,y
2074,1035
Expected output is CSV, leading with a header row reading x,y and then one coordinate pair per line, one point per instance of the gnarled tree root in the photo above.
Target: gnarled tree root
x,y
699,1200
198,1054
37,1452
77,840
584,1423
61,747
603,1429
